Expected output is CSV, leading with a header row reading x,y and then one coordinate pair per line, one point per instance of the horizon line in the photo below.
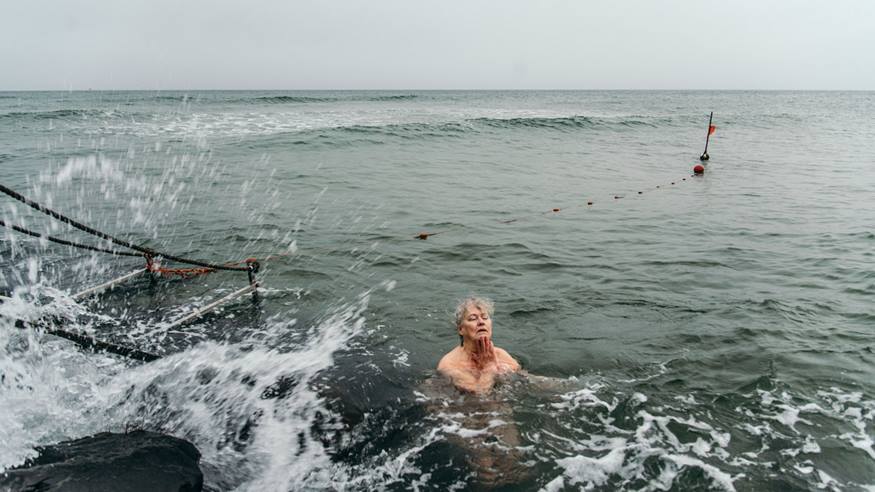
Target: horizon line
x,y
435,90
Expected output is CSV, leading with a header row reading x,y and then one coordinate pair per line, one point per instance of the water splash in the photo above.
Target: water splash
x,y
251,410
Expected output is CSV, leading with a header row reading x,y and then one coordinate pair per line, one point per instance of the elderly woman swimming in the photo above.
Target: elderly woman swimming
x,y
473,365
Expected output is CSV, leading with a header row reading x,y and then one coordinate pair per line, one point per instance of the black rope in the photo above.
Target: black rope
x,y
67,243
88,342
120,242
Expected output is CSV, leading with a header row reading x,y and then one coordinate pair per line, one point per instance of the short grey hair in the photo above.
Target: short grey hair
x,y
478,302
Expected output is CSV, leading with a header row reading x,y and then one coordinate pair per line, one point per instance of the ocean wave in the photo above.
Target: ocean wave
x,y
399,97
408,130
293,99
564,123
376,134
479,125
267,127
286,99
60,114
560,123
342,136
174,98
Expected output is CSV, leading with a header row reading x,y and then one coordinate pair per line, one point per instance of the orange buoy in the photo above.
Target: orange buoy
x,y
699,169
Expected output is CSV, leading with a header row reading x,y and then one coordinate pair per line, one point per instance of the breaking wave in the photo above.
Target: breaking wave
x,y
60,114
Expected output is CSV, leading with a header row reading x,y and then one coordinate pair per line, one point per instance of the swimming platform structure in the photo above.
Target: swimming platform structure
x,y
153,258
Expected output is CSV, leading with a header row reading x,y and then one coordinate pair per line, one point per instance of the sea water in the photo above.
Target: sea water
x,y
678,331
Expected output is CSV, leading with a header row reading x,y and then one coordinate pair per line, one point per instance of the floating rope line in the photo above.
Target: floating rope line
x,y
424,235
114,240
698,171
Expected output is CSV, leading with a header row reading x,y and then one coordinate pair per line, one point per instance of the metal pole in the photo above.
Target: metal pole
x,y
200,312
85,341
107,285
705,156
254,267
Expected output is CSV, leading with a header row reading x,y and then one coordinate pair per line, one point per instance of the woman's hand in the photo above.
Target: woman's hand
x,y
484,354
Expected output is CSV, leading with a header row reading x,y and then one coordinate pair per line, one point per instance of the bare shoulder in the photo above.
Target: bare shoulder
x,y
449,361
506,358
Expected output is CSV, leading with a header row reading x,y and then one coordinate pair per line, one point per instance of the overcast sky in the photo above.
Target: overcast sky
x,y
446,44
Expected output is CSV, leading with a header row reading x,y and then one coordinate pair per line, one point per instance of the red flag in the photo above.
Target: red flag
x,y
711,129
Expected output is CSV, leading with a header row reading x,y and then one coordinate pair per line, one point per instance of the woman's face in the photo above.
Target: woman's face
x,y
475,324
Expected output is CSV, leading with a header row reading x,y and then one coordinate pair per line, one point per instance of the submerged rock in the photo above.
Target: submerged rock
x,y
135,461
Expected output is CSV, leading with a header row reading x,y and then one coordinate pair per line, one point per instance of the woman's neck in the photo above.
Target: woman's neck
x,y
474,352
470,348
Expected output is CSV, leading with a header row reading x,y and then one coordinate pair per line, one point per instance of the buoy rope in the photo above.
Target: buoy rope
x,y
114,240
65,242
698,170
424,235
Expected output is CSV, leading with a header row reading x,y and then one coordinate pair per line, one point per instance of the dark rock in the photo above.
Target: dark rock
x,y
136,461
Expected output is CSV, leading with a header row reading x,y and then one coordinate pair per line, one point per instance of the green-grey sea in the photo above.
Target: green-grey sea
x,y
677,332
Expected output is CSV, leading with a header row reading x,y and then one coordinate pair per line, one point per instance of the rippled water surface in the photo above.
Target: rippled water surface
x,y
678,332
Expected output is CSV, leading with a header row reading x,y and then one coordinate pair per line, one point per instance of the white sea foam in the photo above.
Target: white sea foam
x,y
837,409
52,391
592,471
721,479
621,458
585,397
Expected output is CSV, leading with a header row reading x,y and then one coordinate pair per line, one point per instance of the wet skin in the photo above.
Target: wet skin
x,y
474,366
